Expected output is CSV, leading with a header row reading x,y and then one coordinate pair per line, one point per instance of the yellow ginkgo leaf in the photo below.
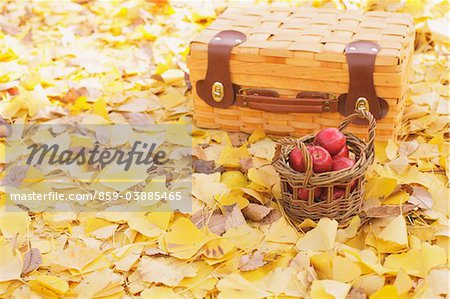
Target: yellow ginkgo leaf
x,y
350,231
100,109
14,224
380,187
321,238
345,270
403,282
231,156
53,283
396,198
184,239
142,225
329,289
10,263
257,135
417,262
235,286
388,291
393,237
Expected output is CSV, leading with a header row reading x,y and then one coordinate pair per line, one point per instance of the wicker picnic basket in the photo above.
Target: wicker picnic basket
x,y
292,71
341,209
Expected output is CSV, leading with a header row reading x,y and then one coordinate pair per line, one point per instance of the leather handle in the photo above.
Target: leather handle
x,y
271,103
218,77
361,57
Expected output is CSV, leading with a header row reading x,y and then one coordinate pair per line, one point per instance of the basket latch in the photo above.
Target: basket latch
x,y
361,94
217,89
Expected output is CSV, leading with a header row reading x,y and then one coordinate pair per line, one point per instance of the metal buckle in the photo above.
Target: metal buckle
x,y
362,104
217,92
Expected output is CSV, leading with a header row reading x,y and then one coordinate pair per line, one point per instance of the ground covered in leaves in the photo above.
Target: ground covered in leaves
x,y
123,62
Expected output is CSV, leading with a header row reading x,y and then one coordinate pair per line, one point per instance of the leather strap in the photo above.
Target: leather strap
x,y
218,77
269,100
361,57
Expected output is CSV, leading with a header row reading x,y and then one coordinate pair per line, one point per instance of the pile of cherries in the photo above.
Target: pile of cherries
x,y
329,152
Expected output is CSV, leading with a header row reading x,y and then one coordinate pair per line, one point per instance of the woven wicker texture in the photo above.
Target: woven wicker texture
x,y
341,209
291,50
313,34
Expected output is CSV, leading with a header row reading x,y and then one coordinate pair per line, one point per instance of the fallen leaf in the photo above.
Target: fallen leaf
x,y
246,164
235,286
329,289
439,281
164,270
250,262
184,239
321,238
235,218
15,176
408,147
356,293
73,94
10,262
273,216
345,270
215,222
208,167
387,291
419,261
32,259
403,282
421,197
238,138
256,212
389,210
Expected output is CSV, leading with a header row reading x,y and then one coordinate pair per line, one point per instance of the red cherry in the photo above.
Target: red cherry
x,y
343,153
321,159
296,160
340,163
303,193
330,139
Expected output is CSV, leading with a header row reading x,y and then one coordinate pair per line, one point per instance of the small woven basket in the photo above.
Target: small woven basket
x,y
341,209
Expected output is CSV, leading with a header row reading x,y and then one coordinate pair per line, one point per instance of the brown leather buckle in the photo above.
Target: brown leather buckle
x,y
217,90
361,57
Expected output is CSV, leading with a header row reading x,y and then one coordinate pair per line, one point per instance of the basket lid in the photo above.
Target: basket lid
x,y
313,33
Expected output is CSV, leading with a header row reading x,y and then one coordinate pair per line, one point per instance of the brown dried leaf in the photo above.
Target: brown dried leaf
x,y
238,139
8,28
389,210
198,152
138,119
32,259
14,176
207,167
356,293
246,164
73,94
256,212
251,262
216,223
273,216
5,128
